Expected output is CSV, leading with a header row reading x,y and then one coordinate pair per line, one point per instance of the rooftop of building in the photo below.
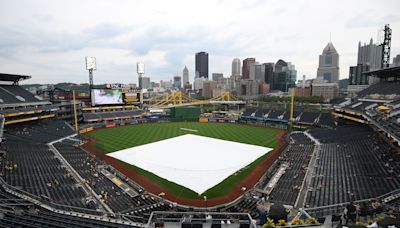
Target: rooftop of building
x,y
329,48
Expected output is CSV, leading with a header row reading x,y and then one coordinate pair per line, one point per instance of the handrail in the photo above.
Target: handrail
x,y
356,201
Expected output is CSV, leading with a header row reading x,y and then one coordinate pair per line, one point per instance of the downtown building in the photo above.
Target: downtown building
x,y
177,82
328,68
369,57
201,65
262,78
396,61
187,87
326,84
236,67
236,74
284,76
185,76
302,89
247,88
257,72
269,69
208,88
323,88
166,84
217,77
144,82
246,67
370,54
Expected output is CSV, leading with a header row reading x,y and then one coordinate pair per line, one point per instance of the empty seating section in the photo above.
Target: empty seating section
x,y
387,122
274,114
381,88
394,203
303,117
362,105
19,91
88,168
44,218
142,213
341,134
286,116
9,200
326,120
353,163
249,111
32,167
117,114
7,97
391,125
43,131
297,157
27,109
9,94
247,204
91,116
262,112
35,169
308,117
20,213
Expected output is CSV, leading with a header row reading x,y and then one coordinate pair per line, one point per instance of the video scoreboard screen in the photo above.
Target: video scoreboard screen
x,y
106,97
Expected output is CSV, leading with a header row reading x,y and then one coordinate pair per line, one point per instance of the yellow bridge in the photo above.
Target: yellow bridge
x,y
179,99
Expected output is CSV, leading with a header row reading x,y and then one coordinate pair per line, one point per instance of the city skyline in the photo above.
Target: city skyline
x,y
52,47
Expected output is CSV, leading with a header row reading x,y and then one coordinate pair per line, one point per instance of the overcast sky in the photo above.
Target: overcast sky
x,y
50,39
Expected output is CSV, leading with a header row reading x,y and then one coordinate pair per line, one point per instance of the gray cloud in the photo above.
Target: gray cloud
x,y
363,21
49,40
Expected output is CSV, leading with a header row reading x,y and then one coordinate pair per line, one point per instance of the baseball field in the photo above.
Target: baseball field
x,y
109,140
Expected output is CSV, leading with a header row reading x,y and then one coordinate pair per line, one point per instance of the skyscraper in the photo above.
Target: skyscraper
x,y
144,82
140,71
284,76
246,67
269,73
236,67
329,64
356,76
396,61
208,87
217,77
177,82
202,64
369,58
370,54
257,72
185,76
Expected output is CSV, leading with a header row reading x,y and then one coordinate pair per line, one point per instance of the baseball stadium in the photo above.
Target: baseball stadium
x,y
121,155
157,161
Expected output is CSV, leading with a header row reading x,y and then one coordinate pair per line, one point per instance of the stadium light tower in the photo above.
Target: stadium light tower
x,y
385,60
90,66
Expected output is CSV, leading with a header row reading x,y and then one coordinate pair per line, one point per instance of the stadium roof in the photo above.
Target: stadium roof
x,y
386,72
13,77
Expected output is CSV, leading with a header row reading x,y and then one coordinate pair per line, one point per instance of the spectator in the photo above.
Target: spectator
x,y
351,212
363,209
376,208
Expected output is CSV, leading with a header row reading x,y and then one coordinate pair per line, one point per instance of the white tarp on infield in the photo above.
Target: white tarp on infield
x,y
196,162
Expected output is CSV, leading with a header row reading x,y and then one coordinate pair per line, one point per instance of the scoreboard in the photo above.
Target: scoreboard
x,y
131,96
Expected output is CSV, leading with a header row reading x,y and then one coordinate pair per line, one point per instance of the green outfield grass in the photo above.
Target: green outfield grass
x,y
114,139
